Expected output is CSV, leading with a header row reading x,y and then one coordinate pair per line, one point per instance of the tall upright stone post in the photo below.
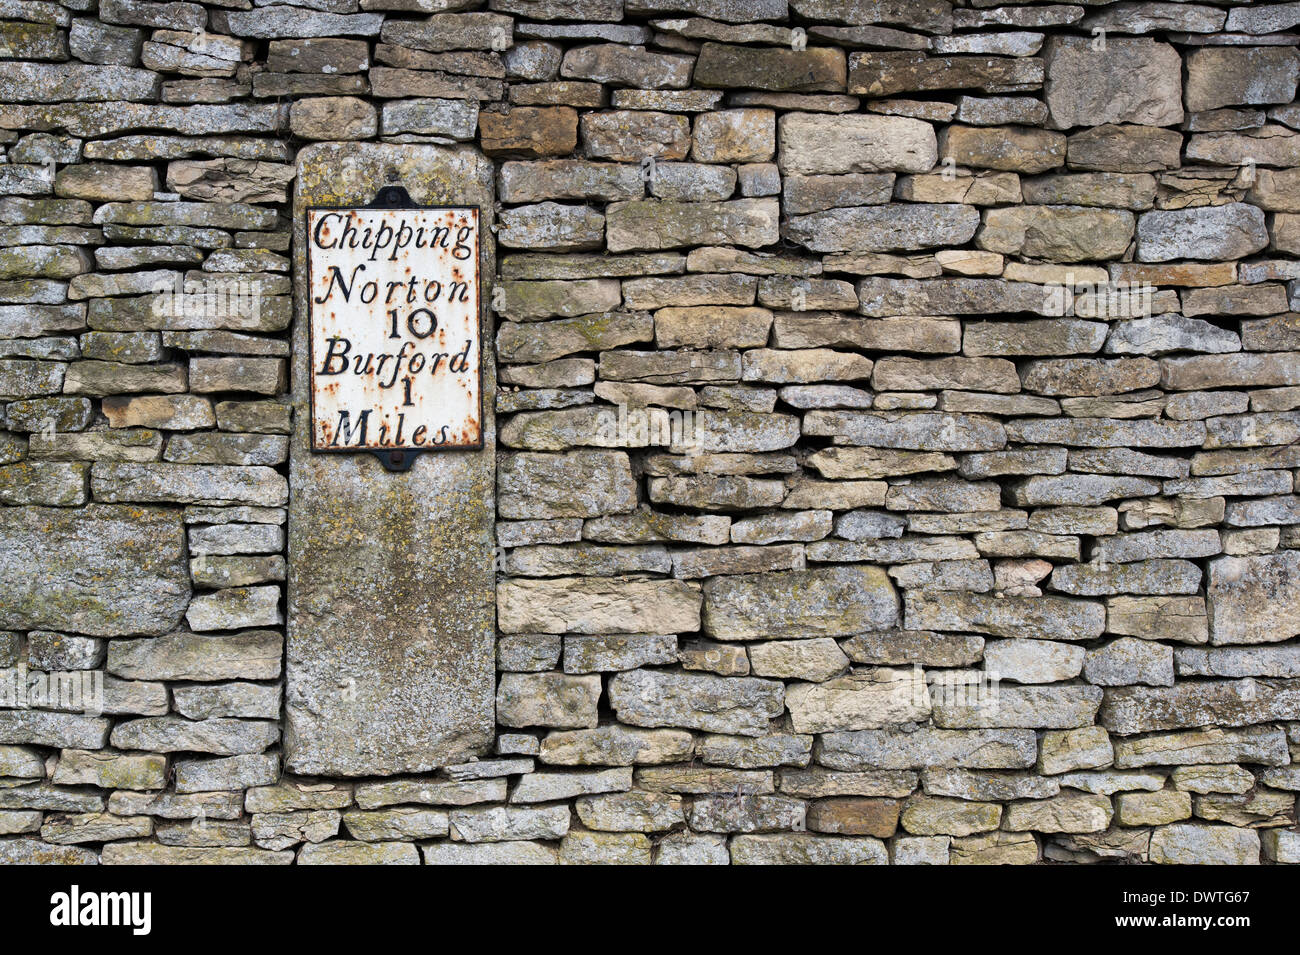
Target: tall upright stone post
x,y
391,597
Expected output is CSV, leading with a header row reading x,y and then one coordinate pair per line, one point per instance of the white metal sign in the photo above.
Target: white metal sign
x,y
395,330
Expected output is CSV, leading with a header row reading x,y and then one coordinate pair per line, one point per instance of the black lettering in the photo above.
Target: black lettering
x,y
345,428
411,323
318,233
336,277
460,361
342,356
462,250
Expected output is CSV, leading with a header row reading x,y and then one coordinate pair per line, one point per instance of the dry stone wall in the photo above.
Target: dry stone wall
x,y
898,418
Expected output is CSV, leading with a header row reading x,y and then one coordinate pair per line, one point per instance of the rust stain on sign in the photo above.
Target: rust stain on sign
x,y
395,330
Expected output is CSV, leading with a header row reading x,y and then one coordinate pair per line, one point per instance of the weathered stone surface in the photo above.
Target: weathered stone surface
x,y
221,737
946,546
288,21
1152,809
1063,751
636,225
1230,76
396,825
1216,232
547,699
551,226
1167,333
739,705
814,143
1063,336
909,374
1236,661
1032,617
159,411
926,747
1033,661
428,792
814,660
74,82
862,700
522,852
804,70
542,485
1007,148
883,228
229,180
589,605
884,74
784,366
45,728
995,848
615,746
188,484
1261,744
1089,489
1280,845
600,848
1044,707
146,853
449,118
130,564
529,131
95,827
1068,812
1129,710
546,787
1058,233
569,179
1196,844
781,749
830,602
631,136
920,646
855,817
1128,661
589,654
815,193
807,849
1254,599
1141,577
633,811
917,431
930,815
711,327
346,852
185,656
1128,81
1124,148
227,773
745,813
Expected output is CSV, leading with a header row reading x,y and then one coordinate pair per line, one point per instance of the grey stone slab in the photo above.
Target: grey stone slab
x,y
391,603
105,570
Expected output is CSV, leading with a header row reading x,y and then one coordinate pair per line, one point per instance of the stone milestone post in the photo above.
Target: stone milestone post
x,y
391,601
